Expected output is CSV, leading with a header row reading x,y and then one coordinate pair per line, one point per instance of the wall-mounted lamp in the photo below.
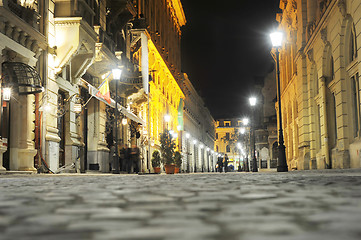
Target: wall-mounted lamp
x,y
77,107
6,94
124,121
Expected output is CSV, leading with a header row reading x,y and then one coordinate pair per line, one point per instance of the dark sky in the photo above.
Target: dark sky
x,y
225,44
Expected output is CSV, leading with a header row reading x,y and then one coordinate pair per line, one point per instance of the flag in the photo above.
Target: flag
x,y
180,115
104,91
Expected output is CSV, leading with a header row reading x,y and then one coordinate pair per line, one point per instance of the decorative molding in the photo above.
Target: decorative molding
x,y
342,7
294,5
324,35
310,55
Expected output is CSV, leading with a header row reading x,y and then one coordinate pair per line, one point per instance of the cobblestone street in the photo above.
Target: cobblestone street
x,y
295,205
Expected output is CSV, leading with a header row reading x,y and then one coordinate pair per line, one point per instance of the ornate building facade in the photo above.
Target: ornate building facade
x,y
57,117
320,65
198,135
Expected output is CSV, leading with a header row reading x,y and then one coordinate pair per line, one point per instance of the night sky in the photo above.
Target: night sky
x,y
225,45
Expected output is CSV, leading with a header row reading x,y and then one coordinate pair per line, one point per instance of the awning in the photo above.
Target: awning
x,y
93,92
22,76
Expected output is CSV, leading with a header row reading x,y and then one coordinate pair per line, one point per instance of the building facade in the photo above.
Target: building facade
x,y
233,139
320,88
198,135
56,116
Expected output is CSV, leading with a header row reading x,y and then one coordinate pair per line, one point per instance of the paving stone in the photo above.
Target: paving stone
x,y
51,219
296,205
87,210
122,215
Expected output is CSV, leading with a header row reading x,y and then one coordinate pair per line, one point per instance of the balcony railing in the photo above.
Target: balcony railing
x,y
28,11
105,38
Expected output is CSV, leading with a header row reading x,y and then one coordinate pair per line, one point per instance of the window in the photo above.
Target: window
x,y
318,116
228,149
216,135
227,136
355,104
227,124
352,45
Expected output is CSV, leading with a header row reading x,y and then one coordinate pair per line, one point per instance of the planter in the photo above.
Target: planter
x,y
169,169
176,170
156,169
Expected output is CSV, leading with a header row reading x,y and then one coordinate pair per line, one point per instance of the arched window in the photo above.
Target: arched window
x,y
275,150
355,104
352,45
332,64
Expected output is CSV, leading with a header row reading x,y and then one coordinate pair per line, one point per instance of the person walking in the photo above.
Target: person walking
x,y
225,163
220,164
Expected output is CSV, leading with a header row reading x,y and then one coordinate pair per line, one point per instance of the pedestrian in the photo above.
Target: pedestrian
x,y
135,158
127,160
225,163
220,164
122,159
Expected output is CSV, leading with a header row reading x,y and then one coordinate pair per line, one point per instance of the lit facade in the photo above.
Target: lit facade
x,y
22,41
227,140
319,65
197,139
73,50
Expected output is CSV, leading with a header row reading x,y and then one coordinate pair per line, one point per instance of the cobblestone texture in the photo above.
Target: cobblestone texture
x,y
280,206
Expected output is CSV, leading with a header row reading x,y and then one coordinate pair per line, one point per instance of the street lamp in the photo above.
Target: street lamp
x,y
167,119
277,38
253,102
116,76
245,122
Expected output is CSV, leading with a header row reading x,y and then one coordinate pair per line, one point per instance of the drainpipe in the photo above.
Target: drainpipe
x,y
325,123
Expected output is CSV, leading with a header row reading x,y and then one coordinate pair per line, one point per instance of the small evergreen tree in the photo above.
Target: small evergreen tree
x,y
167,146
155,159
178,159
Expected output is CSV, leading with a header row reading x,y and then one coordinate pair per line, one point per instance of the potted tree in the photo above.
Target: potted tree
x,y
177,161
167,146
156,161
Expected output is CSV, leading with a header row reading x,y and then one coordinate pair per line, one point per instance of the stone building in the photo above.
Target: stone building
x,y
56,116
198,135
22,45
319,65
228,140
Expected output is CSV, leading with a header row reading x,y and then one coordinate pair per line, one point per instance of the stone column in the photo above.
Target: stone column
x,y
2,150
22,146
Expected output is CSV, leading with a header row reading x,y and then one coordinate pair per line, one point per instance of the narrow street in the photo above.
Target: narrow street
x,y
324,204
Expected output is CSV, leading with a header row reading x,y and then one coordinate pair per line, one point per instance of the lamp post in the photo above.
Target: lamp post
x,y
116,76
277,38
167,119
253,102
245,122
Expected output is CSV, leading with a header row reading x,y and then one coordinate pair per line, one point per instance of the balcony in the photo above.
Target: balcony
x,y
21,24
28,13
105,39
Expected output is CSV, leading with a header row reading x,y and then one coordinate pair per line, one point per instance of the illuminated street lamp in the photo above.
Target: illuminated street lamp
x,y
253,102
277,38
245,121
116,76
167,119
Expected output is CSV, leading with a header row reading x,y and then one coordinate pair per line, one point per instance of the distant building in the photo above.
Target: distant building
x,y
228,140
199,131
